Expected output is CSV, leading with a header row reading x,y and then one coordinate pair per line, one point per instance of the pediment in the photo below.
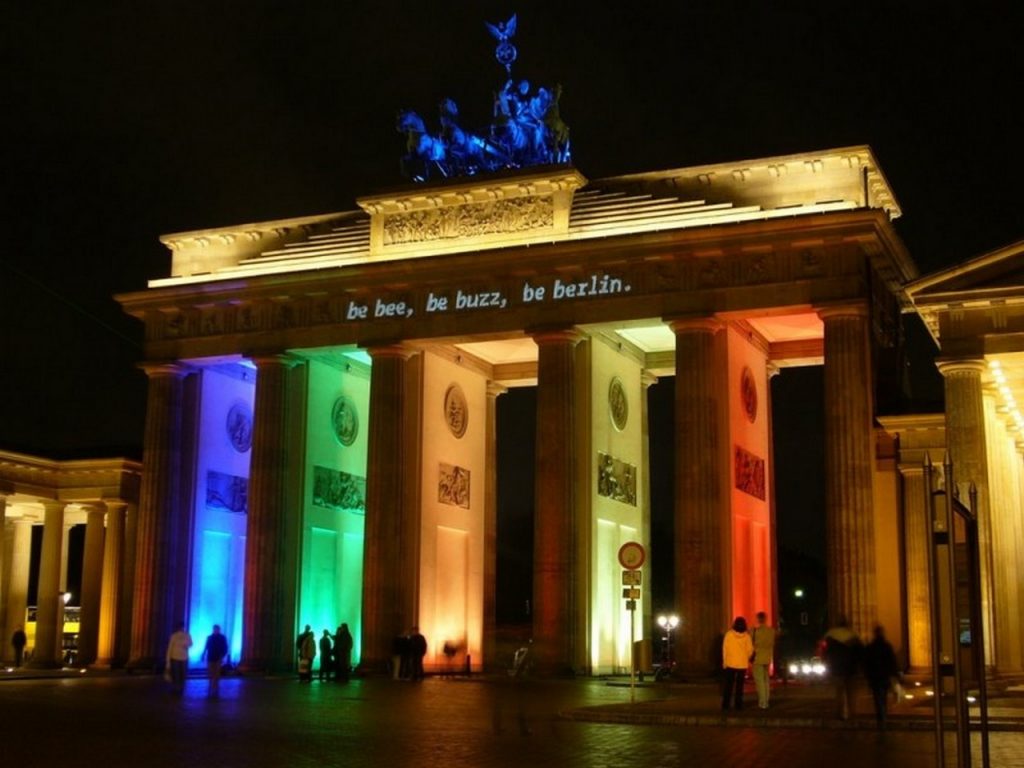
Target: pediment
x,y
995,275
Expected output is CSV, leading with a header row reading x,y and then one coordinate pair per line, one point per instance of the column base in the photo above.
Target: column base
x,y
145,664
41,664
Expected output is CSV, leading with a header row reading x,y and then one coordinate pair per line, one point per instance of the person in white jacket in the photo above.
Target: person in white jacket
x,y
177,657
737,650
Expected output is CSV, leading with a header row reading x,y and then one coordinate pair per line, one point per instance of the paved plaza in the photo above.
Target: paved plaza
x,y
121,720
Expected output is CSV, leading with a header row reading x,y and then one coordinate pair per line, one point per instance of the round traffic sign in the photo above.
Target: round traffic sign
x,y
632,555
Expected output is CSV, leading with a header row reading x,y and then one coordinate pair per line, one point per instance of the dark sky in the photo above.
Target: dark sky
x,y
127,120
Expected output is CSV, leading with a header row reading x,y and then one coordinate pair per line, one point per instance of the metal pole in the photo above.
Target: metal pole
x,y
929,500
977,630
632,655
963,722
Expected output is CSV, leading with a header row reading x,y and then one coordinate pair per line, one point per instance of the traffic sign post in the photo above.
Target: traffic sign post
x,y
632,557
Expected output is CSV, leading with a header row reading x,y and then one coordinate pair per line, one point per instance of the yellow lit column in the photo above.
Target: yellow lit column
x,y
554,617
46,652
849,468
647,379
702,489
92,579
6,532
915,563
494,391
387,588
264,595
125,612
17,584
965,438
113,547
156,544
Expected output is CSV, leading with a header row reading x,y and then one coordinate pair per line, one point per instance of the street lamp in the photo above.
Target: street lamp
x,y
668,624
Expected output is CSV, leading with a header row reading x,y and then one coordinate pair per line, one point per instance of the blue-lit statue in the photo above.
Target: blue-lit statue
x,y
527,128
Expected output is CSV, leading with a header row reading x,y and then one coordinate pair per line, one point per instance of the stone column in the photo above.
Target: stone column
x,y
113,547
916,540
554,632
702,490
646,381
849,468
158,516
965,439
384,592
6,541
268,507
46,654
494,391
129,579
92,581
771,371
17,586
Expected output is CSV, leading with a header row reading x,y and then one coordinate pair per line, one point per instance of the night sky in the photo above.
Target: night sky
x,y
124,121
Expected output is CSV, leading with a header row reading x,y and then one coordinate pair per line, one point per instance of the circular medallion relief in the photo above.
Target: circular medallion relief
x,y
748,394
345,420
456,412
618,405
239,426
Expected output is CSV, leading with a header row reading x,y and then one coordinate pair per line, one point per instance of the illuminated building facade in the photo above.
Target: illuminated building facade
x,y
320,434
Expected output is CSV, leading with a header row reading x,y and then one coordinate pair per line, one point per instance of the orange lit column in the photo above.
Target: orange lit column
x,y
92,581
158,517
554,610
702,489
849,470
389,583
46,652
17,584
915,559
965,439
490,659
113,547
262,620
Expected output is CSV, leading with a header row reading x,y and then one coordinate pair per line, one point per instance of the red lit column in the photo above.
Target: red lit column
x,y
390,559
46,654
849,468
158,517
494,391
92,581
555,502
263,602
702,489
113,549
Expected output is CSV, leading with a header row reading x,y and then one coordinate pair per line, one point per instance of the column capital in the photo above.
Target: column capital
x,y
173,369
830,311
772,370
495,390
556,335
647,379
282,360
390,351
705,323
949,365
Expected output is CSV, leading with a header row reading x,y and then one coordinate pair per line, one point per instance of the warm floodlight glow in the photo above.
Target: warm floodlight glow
x,y
971,699
65,597
798,592
794,669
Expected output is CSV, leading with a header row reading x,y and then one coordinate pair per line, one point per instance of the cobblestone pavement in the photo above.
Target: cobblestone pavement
x,y
113,721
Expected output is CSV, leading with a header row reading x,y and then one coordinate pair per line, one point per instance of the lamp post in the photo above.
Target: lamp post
x,y
64,599
668,624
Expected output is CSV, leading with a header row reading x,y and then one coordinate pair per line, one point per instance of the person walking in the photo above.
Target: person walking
x,y
842,657
763,638
306,646
417,650
737,651
214,652
18,641
342,654
325,656
177,657
880,667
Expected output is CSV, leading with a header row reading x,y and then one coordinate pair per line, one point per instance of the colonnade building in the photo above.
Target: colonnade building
x,y
321,427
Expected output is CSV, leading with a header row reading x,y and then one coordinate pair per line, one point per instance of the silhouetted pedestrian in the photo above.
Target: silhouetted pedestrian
x,y
737,651
177,657
763,638
214,652
842,657
880,667
342,654
306,646
326,656
400,657
18,641
417,650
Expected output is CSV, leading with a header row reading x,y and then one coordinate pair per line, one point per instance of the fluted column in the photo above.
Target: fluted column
x,y
849,468
494,391
701,492
555,502
159,509
110,589
384,589
268,505
46,654
129,579
17,584
915,562
965,439
646,381
771,371
92,580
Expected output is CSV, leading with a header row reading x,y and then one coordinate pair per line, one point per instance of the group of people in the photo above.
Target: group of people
x,y
215,653
843,653
335,654
407,652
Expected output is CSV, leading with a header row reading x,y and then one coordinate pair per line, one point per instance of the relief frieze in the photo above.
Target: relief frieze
x,y
496,217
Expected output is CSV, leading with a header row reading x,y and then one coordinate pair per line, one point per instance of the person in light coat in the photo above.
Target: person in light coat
x,y
737,651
